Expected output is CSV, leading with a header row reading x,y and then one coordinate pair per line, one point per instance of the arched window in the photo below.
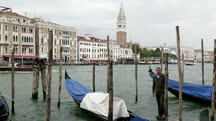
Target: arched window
x,y
42,39
13,38
6,37
41,49
6,50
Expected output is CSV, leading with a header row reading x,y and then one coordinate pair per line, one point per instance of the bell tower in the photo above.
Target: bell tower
x,y
121,36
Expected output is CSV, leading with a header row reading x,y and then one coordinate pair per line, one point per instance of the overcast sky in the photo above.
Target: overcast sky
x,y
149,22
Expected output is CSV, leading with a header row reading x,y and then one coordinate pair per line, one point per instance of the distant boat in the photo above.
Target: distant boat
x,y
78,92
189,63
4,110
142,63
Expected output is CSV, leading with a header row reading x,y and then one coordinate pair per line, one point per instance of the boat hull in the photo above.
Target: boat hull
x,y
4,115
16,69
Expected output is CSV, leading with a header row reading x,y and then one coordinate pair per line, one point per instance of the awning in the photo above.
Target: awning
x,y
1,57
30,57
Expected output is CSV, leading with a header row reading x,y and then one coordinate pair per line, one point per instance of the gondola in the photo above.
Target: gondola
x,y
4,110
195,92
75,87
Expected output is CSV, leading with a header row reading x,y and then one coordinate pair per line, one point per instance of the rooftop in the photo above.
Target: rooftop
x,y
10,13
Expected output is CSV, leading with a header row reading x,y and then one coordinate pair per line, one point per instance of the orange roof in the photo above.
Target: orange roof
x,y
13,14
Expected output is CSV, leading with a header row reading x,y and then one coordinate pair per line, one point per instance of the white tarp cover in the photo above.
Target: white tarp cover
x,y
98,103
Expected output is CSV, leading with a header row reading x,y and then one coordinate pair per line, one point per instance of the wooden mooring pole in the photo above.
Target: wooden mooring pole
x,y
93,77
180,75
166,87
161,59
12,82
60,78
43,76
203,82
108,52
136,79
110,80
35,83
213,84
48,90
183,62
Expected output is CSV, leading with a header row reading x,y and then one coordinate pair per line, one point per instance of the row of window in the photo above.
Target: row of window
x,y
24,50
24,29
64,32
98,56
98,50
65,42
89,44
27,39
27,30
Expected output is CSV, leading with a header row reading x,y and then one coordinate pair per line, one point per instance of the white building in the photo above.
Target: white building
x,y
95,49
208,56
126,53
187,51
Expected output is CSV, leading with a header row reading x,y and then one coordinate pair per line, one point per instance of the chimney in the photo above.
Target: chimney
x,y
25,14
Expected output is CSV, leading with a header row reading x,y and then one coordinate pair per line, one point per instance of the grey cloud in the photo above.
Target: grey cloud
x,y
150,22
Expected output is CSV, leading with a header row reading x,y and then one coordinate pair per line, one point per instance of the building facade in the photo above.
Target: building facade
x,y
187,51
63,36
95,49
208,55
16,31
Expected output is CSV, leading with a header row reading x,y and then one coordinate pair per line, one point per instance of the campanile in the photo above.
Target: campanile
x,y
121,36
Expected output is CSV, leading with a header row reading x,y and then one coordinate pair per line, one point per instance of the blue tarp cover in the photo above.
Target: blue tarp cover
x,y
138,119
198,90
76,89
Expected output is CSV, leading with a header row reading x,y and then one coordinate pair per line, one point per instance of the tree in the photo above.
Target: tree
x,y
157,50
172,56
145,53
138,49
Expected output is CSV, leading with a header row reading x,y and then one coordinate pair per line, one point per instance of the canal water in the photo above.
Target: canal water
x,y
124,87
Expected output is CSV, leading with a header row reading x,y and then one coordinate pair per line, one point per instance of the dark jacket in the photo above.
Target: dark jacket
x,y
158,83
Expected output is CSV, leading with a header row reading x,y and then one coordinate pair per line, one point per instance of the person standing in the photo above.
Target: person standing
x,y
158,88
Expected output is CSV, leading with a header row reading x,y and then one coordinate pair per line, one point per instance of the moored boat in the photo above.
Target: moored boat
x,y
4,110
196,92
23,68
78,93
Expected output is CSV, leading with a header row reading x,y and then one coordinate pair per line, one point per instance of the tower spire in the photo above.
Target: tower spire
x,y
121,11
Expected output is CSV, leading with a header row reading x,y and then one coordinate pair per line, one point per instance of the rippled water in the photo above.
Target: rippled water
x,y
124,87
